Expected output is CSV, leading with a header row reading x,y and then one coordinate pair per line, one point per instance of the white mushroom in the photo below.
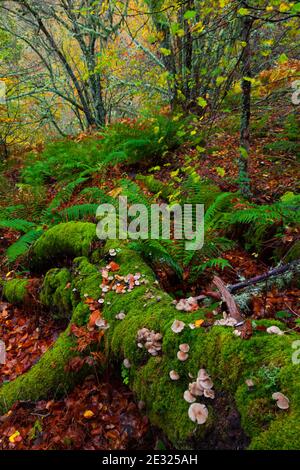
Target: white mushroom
x,y
126,363
250,384
282,401
177,326
206,384
102,324
209,394
184,348
174,375
274,330
189,397
195,389
203,375
121,316
141,405
198,413
182,356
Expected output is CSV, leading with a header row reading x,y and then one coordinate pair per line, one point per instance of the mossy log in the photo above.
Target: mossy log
x,y
230,360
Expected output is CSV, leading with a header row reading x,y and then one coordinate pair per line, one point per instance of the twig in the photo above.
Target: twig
x,y
294,265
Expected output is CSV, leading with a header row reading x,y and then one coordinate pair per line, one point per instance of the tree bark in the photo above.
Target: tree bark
x,y
243,163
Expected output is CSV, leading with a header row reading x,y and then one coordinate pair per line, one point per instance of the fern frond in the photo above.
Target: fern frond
x,y
22,245
155,252
19,225
78,212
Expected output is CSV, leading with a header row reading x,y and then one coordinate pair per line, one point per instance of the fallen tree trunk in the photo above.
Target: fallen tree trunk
x,y
228,359
287,269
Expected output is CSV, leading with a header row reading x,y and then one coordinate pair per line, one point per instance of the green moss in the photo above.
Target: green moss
x,y
266,359
87,278
15,291
57,292
63,241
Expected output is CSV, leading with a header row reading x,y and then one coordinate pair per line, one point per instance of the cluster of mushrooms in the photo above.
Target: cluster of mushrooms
x,y
119,284
202,386
150,340
186,305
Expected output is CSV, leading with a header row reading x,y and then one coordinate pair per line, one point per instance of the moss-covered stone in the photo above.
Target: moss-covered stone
x,y
68,240
15,290
57,293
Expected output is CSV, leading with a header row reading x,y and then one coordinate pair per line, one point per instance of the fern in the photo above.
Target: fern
x,y
197,191
19,225
95,194
78,212
220,263
265,219
218,210
22,245
66,192
155,252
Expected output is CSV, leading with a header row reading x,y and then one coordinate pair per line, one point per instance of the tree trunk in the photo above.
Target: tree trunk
x,y
244,180
229,360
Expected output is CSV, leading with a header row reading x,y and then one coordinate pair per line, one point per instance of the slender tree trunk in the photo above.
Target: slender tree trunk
x,y
187,58
244,180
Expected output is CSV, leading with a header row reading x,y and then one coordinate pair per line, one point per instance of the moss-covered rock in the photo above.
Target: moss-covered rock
x,y
57,293
63,241
15,290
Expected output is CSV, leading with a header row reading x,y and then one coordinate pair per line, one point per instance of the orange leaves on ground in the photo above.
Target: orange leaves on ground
x,y
113,266
26,336
88,414
85,337
93,417
198,323
95,316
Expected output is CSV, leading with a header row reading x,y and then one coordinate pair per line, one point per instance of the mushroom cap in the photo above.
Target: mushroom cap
x,y
195,389
274,330
157,337
209,394
203,375
206,384
282,401
189,397
174,375
198,413
182,356
184,348
102,324
177,326
126,363
249,383
141,405
153,352
121,316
